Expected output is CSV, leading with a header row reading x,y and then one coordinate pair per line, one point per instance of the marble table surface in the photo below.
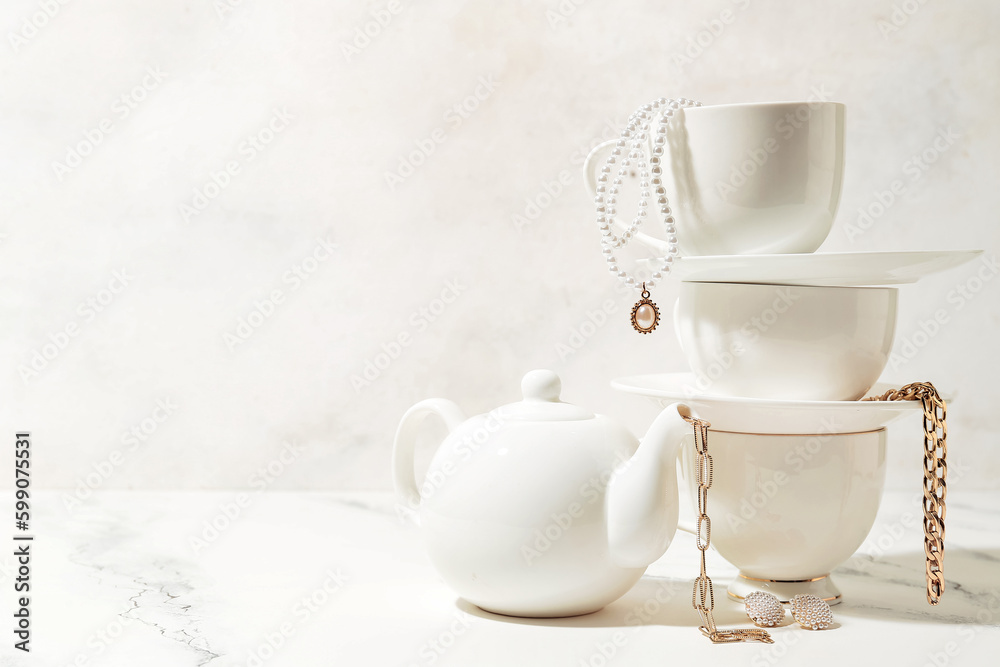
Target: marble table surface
x,y
268,578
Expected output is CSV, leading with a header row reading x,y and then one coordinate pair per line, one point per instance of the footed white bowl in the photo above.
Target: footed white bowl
x,y
788,509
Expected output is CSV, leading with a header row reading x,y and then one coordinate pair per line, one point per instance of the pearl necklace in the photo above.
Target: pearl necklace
x,y
645,314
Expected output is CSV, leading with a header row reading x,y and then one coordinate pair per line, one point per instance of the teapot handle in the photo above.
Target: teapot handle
x,y
403,474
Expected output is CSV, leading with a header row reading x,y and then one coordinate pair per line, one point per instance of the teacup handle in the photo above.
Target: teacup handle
x,y
590,167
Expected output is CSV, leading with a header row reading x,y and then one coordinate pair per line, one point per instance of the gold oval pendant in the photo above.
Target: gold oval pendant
x,y
645,314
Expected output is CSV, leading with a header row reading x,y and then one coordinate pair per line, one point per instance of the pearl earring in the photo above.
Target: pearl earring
x,y
764,609
811,612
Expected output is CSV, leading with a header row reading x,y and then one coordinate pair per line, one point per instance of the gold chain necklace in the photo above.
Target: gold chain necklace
x,y
935,472
702,597
935,490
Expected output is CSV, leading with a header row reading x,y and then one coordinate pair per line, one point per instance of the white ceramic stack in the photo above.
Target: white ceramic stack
x,y
781,340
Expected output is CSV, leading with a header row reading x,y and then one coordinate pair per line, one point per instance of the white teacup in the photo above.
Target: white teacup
x,y
746,178
788,509
785,341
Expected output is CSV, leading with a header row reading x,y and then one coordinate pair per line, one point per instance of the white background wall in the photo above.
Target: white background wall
x,y
562,74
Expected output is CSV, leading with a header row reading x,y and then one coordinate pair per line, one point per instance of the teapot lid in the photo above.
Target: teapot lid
x,y
540,389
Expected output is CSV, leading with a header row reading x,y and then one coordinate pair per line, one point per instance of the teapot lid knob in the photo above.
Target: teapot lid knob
x,y
541,385
541,389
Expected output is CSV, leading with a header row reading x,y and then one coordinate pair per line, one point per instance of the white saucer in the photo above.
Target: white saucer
x,y
759,415
847,269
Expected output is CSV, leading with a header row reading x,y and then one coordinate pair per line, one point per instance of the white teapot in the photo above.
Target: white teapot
x,y
542,508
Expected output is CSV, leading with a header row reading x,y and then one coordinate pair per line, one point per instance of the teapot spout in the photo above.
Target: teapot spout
x,y
641,501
